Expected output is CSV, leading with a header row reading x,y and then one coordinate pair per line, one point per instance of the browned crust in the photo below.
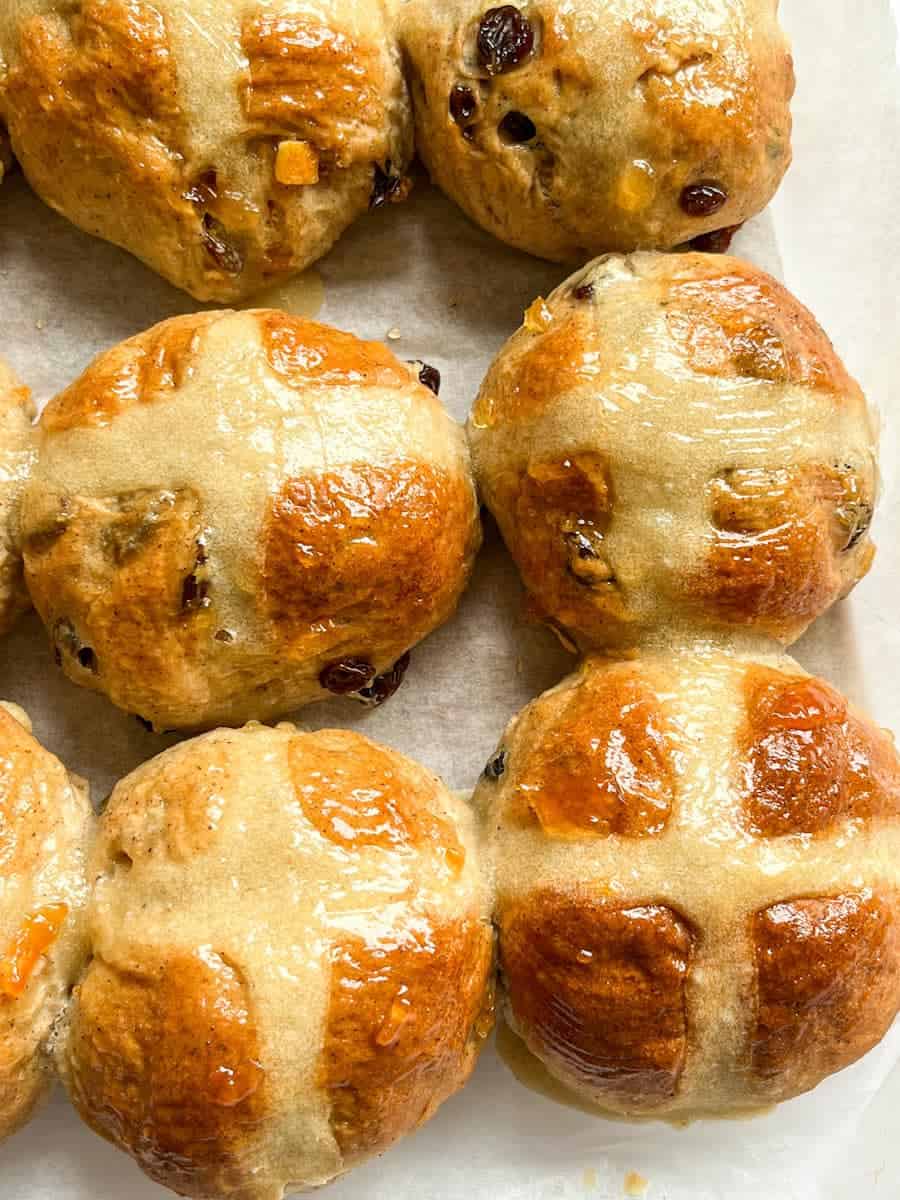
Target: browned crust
x,y
363,561
807,763
308,79
559,511
828,980
109,579
787,543
731,319
358,795
402,1030
164,1060
306,353
596,760
147,367
597,990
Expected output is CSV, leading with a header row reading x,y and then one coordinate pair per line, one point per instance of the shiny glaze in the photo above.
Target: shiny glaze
x,y
335,924
739,895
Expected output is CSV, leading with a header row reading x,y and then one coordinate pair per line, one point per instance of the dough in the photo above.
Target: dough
x,y
671,443
569,129
17,450
235,514
226,143
696,855
291,948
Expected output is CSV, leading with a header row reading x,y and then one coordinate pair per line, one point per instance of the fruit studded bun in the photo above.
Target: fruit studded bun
x,y
226,145
572,129
291,952
698,894
235,514
670,443
45,827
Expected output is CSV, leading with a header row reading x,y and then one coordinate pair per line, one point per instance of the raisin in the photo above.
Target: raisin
x,y
703,199
88,659
346,675
385,186
204,189
586,562
383,686
496,767
516,128
717,242
143,722
223,635
505,38
430,377
584,291
463,104
219,248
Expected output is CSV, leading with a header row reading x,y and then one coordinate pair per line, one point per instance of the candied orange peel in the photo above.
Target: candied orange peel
x,y
37,934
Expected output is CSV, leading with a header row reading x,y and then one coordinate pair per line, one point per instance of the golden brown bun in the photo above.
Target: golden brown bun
x,y
698,894
569,129
238,513
671,440
45,826
160,126
292,952
17,450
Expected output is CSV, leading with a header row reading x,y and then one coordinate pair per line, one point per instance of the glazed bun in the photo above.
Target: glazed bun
x,y
569,130
292,951
671,441
45,824
696,857
238,513
17,451
227,145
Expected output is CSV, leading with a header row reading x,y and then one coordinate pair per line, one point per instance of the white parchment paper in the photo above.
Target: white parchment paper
x,y
455,295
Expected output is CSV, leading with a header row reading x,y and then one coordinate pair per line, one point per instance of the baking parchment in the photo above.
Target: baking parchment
x,y
454,295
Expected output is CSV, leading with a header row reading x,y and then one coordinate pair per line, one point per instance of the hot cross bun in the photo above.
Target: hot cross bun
x,y
671,442
226,144
291,949
17,451
45,827
234,514
569,129
698,894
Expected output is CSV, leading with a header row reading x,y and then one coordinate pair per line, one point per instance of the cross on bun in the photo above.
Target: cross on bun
x,y
227,145
572,129
291,954
17,451
671,442
698,894
234,514
45,826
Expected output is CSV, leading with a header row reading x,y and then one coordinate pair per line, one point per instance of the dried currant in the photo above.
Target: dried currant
x,y
516,128
717,242
505,39
496,766
584,291
219,249
463,103
346,675
384,186
88,659
703,199
383,686
430,377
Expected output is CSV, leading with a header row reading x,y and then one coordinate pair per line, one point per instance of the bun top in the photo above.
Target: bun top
x,y
698,896
671,441
296,926
230,504
577,128
226,144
